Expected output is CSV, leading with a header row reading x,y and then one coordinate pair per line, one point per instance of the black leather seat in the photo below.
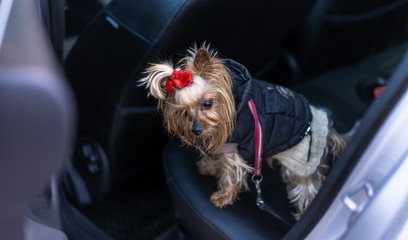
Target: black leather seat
x,y
198,218
114,49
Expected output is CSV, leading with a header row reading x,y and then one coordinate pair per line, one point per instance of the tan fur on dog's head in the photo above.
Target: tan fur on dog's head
x,y
203,113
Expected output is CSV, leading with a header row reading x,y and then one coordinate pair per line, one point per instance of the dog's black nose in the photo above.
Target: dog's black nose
x,y
197,129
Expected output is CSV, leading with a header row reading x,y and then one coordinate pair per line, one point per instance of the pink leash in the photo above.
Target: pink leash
x,y
257,176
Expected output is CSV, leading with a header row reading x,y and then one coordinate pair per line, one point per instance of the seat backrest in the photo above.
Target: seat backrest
x,y
339,32
251,32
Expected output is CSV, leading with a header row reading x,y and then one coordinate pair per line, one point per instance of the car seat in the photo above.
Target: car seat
x,y
116,46
109,57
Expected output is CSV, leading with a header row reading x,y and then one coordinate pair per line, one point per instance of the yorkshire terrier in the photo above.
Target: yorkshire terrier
x,y
216,106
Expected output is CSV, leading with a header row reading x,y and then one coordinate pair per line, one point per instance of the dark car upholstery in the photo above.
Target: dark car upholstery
x,y
339,32
198,218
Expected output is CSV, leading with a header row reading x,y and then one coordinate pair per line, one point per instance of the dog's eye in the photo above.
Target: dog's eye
x,y
185,113
207,104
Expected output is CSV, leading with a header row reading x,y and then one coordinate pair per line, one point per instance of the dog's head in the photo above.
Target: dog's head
x,y
195,98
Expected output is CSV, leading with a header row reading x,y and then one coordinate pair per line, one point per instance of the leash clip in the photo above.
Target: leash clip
x,y
259,200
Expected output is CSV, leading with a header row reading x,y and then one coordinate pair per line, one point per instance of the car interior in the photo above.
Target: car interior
x,y
123,177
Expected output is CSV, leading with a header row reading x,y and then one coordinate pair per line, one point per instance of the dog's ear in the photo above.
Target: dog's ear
x,y
156,78
202,59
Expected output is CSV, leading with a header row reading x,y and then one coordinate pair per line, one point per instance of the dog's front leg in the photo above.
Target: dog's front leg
x,y
232,180
208,166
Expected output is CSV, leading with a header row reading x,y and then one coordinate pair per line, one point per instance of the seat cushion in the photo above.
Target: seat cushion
x,y
198,218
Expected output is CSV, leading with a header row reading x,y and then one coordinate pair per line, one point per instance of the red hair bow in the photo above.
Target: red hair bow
x,y
178,80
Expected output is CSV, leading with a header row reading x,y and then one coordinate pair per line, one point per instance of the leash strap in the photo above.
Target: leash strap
x,y
257,176
258,139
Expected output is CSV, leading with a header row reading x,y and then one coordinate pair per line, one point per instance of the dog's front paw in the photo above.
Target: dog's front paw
x,y
221,199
